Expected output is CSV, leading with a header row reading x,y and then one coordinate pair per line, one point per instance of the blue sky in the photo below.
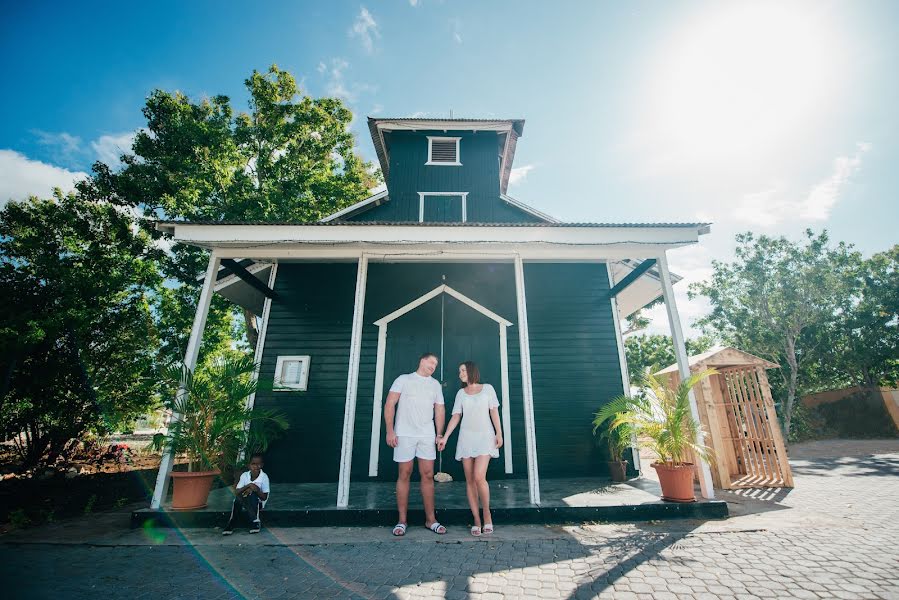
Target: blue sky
x,y
769,116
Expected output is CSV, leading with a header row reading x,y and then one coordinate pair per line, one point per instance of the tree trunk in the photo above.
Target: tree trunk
x,y
791,386
249,320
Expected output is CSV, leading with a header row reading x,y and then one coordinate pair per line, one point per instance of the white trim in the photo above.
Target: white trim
x,y
528,209
421,203
634,238
361,204
622,360
683,367
431,162
190,362
384,322
378,400
260,344
438,125
232,279
300,386
527,387
349,414
502,166
506,404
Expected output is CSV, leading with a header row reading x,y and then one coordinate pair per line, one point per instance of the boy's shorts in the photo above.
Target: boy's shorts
x,y
408,448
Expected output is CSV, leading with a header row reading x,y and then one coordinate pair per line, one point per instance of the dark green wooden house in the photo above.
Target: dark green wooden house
x,y
445,261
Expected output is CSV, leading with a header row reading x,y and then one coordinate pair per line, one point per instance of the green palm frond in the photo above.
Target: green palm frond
x,y
663,418
214,423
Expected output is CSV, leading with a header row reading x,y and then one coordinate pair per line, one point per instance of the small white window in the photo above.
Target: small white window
x,y
291,373
443,151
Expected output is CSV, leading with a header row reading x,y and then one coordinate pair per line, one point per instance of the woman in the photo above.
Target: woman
x,y
480,438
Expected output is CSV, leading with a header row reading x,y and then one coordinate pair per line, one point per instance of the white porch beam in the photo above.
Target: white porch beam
x,y
622,360
375,449
683,367
190,362
349,414
504,390
526,385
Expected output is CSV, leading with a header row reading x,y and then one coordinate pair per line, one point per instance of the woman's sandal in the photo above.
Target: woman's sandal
x,y
476,531
488,527
436,528
399,530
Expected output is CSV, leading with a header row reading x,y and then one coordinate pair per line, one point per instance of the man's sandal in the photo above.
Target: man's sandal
x,y
476,531
436,528
399,530
488,528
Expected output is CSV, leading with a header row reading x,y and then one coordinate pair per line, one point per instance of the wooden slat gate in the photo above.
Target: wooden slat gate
x,y
752,430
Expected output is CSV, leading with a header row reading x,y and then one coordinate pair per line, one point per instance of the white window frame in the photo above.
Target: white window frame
x,y
421,203
304,378
431,140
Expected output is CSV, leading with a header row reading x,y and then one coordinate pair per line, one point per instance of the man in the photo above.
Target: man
x,y
416,399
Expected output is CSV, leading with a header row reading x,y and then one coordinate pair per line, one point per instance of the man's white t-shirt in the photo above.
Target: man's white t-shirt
x,y
415,411
261,482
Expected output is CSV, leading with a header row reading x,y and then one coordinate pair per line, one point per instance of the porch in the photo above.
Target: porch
x,y
563,500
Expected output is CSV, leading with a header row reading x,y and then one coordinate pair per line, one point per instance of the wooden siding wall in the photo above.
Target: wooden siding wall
x,y
573,349
313,315
574,363
478,175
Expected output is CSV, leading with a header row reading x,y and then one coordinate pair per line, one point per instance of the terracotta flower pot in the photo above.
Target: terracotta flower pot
x,y
191,490
676,482
618,470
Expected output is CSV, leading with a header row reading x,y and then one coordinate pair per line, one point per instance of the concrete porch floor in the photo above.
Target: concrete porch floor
x,y
563,500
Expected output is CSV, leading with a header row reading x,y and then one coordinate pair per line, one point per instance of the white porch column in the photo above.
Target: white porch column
x,y
190,362
683,366
504,385
622,359
375,449
526,385
349,414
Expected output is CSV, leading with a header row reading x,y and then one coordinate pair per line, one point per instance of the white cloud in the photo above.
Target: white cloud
x,y
413,3
337,85
777,204
366,29
457,37
64,147
21,177
519,174
322,67
109,148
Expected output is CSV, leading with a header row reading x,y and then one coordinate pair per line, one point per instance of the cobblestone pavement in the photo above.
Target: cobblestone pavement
x,y
835,536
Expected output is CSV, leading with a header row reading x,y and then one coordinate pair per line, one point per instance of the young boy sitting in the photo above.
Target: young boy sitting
x,y
251,494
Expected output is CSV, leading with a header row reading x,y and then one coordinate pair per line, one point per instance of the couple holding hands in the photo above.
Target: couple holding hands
x,y
415,414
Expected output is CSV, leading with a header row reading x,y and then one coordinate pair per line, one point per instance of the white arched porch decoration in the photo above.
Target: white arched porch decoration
x,y
382,324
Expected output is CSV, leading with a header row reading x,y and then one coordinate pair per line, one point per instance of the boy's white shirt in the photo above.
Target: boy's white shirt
x,y
261,481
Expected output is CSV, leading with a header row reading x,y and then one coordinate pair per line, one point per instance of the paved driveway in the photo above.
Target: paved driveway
x,y
835,536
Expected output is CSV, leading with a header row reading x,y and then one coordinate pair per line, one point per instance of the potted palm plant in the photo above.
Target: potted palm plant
x,y
618,439
214,424
662,418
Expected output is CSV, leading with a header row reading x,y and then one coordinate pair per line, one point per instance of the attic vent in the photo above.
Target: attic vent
x,y
443,151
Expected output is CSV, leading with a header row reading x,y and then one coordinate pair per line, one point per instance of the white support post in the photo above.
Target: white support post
x,y
374,453
504,385
526,385
683,367
190,362
260,346
622,360
349,414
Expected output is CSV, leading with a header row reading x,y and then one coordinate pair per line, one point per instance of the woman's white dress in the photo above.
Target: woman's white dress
x,y
476,434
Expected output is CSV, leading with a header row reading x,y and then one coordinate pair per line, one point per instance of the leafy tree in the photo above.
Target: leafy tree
x,y
774,296
77,334
644,351
290,158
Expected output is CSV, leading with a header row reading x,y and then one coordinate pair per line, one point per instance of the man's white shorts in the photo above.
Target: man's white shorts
x,y
409,447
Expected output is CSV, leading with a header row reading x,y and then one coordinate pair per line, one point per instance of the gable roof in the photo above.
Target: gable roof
x,y
510,128
722,358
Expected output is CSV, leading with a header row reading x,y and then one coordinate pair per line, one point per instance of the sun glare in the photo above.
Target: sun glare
x,y
741,80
